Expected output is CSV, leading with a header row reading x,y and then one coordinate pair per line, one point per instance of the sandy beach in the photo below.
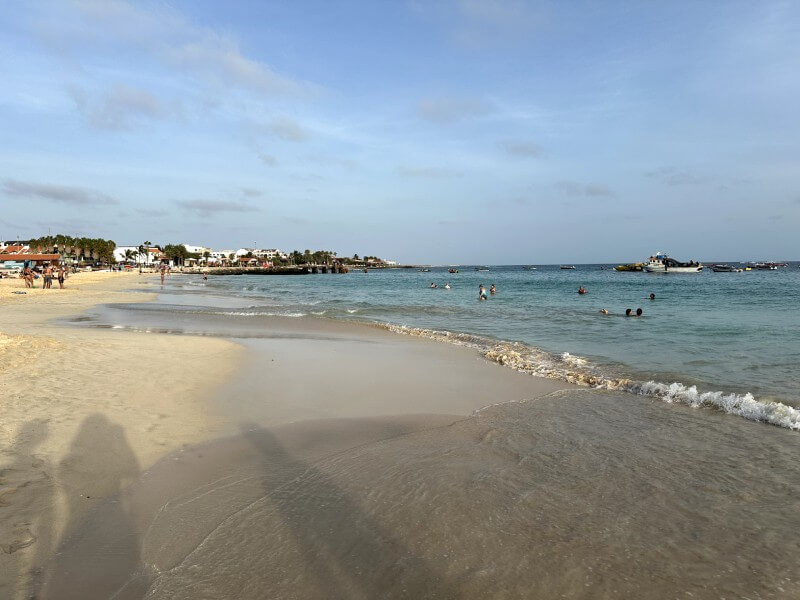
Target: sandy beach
x,y
83,410
152,450
87,410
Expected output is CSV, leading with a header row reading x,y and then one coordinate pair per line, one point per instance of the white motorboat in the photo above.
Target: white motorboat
x,y
661,263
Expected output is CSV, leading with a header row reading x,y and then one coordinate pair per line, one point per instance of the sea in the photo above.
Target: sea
x,y
724,341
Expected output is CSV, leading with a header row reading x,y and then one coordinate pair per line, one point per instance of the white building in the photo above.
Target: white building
x,y
262,253
146,259
196,249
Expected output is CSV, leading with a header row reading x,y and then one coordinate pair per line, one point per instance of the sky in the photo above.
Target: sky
x,y
439,131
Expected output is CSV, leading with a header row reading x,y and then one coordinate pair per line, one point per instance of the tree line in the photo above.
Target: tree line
x,y
81,248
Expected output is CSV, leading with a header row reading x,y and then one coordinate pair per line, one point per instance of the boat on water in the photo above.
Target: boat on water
x,y
424,270
725,269
765,266
481,268
529,268
630,267
568,267
452,270
661,263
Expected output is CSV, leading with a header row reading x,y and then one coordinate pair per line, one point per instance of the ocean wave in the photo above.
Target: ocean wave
x,y
579,371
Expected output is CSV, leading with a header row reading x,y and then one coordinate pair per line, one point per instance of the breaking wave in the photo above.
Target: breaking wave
x,y
577,370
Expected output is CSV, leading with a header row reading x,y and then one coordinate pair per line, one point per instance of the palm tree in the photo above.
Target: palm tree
x,y
130,255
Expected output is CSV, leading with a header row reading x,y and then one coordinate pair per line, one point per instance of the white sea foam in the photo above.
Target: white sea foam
x,y
352,311
578,371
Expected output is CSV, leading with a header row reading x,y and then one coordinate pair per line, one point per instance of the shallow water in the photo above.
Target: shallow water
x,y
581,494
730,341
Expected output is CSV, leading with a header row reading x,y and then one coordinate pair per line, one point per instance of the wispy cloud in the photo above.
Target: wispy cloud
x,y
447,110
574,188
428,172
288,130
674,176
268,159
61,194
166,35
120,108
205,208
523,149
251,192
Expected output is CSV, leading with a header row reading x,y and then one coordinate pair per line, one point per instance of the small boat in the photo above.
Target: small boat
x,y
481,268
630,267
661,263
452,270
725,269
568,267
529,268
765,266
424,270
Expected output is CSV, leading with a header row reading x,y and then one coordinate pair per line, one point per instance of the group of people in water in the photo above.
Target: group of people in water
x,y
628,311
482,293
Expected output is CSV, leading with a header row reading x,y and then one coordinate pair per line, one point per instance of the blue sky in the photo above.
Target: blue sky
x,y
439,131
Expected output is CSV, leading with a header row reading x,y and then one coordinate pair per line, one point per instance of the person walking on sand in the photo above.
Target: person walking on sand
x,y
163,273
61,276
27,277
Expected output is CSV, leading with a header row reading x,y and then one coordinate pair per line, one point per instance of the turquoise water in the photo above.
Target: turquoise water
x,y
730,334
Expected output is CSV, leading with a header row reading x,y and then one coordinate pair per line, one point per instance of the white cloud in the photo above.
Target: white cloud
x,y
120,108
61,194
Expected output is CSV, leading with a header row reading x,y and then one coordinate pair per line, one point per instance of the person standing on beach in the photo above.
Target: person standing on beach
x,y
48,277
61,276
163,273
27,276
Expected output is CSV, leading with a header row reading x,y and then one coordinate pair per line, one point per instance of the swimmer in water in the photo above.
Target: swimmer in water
x,y
628,312
447,285
481,292
638,312
581,290
492,291
652,296
603,311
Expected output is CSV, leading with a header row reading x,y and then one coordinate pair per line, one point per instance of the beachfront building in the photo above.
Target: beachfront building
x,y
263,254
18,260
144,259
14,247
220,257
192,249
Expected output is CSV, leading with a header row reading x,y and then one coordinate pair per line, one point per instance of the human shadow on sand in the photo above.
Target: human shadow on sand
x,y
343,551
99,554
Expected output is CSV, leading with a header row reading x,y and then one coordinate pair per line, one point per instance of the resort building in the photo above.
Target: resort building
x,y
145,259
196,249
19,260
